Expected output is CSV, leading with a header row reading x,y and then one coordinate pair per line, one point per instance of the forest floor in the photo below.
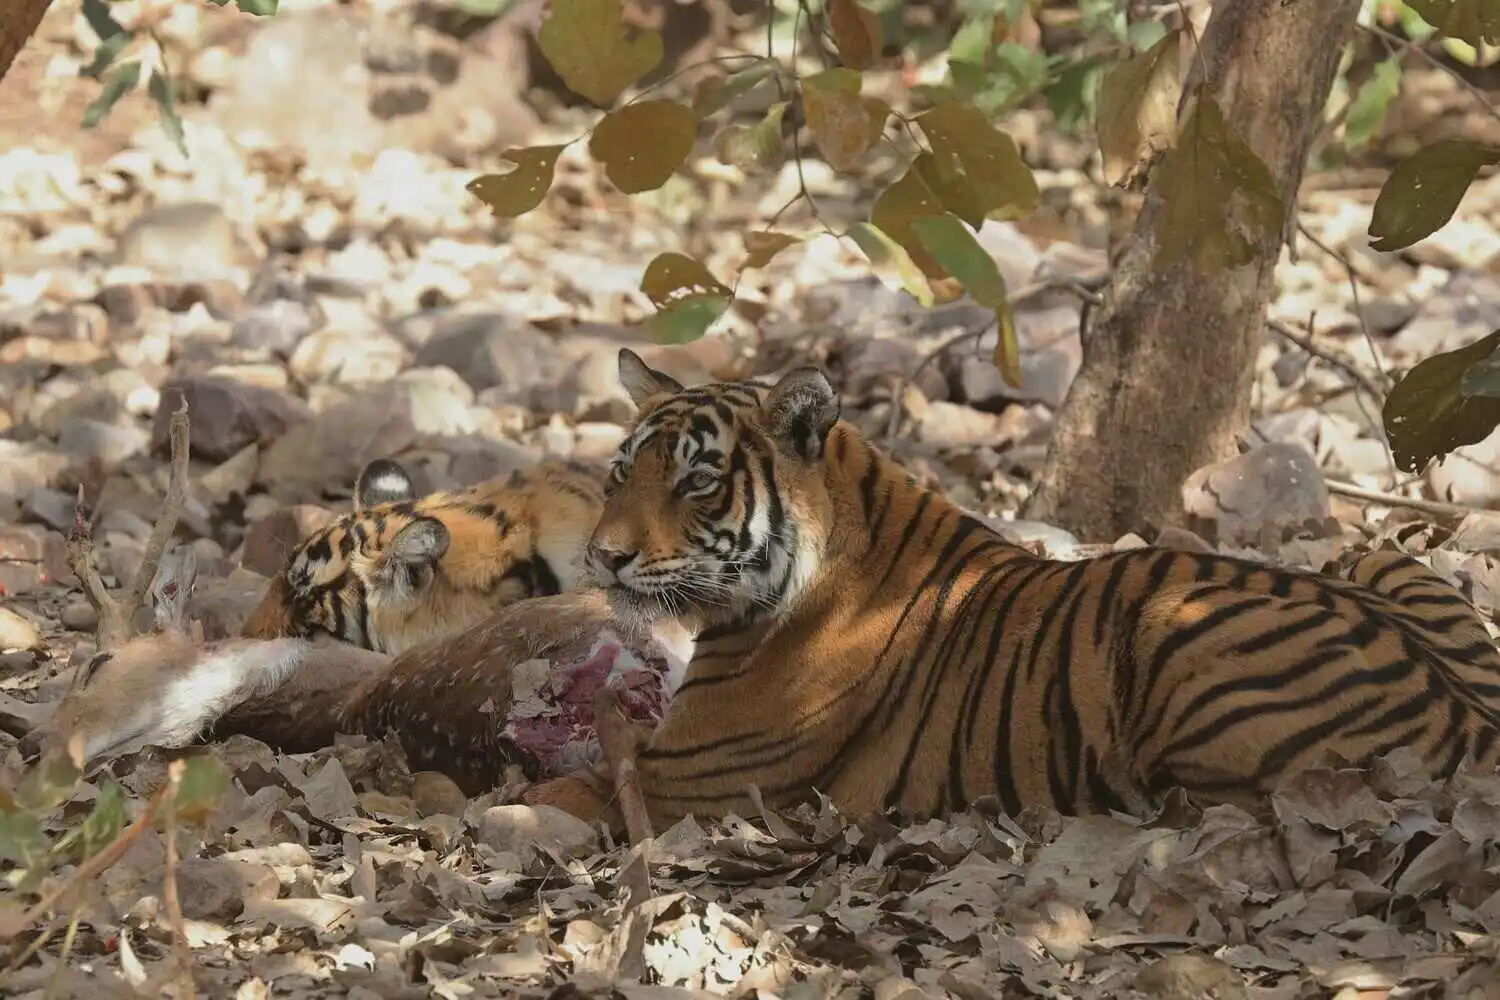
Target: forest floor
x,y
353,301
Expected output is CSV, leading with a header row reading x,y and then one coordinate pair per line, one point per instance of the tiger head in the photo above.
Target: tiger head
x,y
400,568
717,507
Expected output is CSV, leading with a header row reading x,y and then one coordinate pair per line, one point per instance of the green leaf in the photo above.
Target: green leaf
x,y
160,89
1422,193
120,83
687,319
522,189
642,144
1482,378
1474,21
101,20
975,170
260,8
761,246
955,247
907,199
1427,414
585,42
891,262
836,116
99,827
22,841
1220,203
49,782
1138,108
687,296
1072,96
753,147
1367,109
716,94
204,783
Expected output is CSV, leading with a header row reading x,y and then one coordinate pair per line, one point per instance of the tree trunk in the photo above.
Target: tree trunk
x,y
1168,361
18,22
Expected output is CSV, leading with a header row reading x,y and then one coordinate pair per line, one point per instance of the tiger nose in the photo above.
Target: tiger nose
x,y
611,558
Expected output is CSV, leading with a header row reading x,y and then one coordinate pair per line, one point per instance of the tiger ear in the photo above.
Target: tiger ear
x,y
641,381
800,410
416,549
383,481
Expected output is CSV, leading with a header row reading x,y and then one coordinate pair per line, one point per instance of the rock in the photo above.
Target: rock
x,y
110,443
952,425
297,54
1464,310
25,468
211,888
348,356
79,616
269,540
520,829
30,558
1469,475
334,446
492,350
277,326
1051,354
441,401
1264,489
860,364
183,242
226,415
17,632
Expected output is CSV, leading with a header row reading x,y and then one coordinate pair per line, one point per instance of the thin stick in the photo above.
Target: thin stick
x,y
1437,508
170,897
1086,287
115,616
1360,379
90,869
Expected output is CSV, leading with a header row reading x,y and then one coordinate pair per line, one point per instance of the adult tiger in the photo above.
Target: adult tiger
x,y
400,568
859,634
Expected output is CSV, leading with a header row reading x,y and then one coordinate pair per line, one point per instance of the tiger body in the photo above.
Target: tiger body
x,y
861,635
400,569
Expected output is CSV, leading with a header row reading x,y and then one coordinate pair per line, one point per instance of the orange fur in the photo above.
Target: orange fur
x,y
859,634
399,569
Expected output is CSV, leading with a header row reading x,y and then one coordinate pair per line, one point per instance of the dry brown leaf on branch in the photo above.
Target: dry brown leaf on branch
x,y
641,144
857,33
1137,111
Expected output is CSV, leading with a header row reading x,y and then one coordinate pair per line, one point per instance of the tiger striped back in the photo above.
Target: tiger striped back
x,y
861,635
401,568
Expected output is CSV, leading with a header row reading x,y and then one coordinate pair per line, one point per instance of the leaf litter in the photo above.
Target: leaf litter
x,y
342,873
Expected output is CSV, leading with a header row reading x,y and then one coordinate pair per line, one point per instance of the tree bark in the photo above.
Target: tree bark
x,y
1168,362
18,22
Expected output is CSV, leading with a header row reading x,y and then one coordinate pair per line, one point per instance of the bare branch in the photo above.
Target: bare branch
x,y
115,615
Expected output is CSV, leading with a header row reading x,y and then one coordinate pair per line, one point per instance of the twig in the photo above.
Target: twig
x,y
115,616
90,869
1085,287
1359,314
1437,508
1359,378
1412,45
170,898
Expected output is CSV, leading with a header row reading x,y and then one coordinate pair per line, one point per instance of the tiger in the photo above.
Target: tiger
x,y
860,636
400,569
